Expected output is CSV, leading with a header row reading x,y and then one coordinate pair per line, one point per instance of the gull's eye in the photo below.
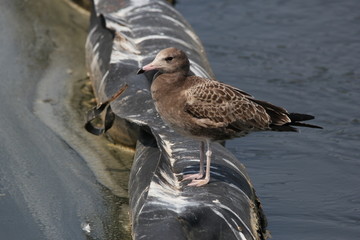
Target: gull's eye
x,y
168,59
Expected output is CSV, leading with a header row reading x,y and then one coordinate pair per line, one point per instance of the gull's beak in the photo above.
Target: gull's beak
x,y
149,67
140,71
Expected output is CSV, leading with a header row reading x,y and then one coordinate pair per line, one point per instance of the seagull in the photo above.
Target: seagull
x,y
207,110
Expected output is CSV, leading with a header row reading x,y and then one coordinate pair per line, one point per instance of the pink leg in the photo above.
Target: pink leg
x,y
201,171
201,182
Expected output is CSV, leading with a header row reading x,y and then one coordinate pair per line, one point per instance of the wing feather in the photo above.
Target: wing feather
x,y
215,104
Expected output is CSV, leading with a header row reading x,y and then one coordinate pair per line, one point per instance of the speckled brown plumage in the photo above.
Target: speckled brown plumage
x,y
208,110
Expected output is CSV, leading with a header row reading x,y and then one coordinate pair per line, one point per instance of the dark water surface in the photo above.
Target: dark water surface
x,y
304,56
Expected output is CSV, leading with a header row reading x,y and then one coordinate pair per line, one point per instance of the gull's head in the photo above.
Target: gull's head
x,y
168,60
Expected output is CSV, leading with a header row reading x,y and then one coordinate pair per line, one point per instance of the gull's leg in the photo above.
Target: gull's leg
x,y
201,171
201,182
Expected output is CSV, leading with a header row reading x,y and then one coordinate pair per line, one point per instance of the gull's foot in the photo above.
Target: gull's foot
x,y
192,176
199,183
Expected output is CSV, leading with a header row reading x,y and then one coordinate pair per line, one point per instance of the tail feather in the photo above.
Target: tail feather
x,y
300,124
280,117
283,128
296,119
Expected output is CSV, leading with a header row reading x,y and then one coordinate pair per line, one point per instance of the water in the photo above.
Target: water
x,y
304,56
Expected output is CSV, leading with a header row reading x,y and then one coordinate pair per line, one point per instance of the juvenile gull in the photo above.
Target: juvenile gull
x,y
207,110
